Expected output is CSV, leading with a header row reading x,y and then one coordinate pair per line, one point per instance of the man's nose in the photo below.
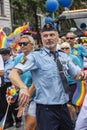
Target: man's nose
x,y
22,45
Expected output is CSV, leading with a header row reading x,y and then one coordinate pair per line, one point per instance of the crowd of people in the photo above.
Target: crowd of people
x,y
45,79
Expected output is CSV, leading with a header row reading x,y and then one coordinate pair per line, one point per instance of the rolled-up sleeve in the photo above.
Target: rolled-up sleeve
x,y
73,69
29,63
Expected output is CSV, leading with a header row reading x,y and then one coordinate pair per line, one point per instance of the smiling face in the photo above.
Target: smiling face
x,y
50,39
26,45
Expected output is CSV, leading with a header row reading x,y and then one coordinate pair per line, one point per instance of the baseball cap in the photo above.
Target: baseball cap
x,y
49,27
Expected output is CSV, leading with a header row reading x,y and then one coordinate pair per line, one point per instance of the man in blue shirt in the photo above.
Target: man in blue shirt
x,y
51,97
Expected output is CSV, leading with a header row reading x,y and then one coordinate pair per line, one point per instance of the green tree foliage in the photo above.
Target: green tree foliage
x,y
25,10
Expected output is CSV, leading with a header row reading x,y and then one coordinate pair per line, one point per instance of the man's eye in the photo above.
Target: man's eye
x,y
45,36
52,35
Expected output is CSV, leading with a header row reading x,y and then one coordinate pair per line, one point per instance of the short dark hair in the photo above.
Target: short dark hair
x,y
5,51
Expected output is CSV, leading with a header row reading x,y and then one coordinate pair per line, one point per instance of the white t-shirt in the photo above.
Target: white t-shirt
x,y
1,66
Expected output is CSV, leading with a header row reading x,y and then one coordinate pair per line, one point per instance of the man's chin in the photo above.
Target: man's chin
x,y
50,47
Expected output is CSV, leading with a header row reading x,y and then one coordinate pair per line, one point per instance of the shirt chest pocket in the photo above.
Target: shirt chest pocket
x,y
48,71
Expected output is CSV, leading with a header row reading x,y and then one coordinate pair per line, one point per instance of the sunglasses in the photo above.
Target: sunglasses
x,y
65,48
23,43
70,38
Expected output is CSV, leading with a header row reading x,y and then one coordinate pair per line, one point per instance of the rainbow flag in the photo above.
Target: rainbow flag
x,y
79,94
4,40
16,47
13,37
2,122
2,37
21,29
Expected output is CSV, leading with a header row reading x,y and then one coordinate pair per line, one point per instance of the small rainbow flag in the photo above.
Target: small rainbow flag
x,y
21,29
79,94
2,122
4,40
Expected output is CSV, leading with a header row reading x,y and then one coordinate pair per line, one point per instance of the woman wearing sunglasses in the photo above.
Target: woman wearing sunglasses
x,y
27,45
65,46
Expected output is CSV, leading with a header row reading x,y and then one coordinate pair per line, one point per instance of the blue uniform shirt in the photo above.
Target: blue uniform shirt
x,y
49,88
9,64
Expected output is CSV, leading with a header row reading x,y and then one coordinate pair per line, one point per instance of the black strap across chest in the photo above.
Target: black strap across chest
x,y
60,69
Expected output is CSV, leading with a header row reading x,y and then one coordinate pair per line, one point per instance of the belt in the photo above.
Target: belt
x,y
54,105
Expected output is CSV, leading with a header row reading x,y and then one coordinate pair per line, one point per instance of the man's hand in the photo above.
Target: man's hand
x,y
82,75
20,111
23,97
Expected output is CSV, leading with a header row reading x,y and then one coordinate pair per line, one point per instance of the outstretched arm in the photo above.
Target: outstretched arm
x,y
14,76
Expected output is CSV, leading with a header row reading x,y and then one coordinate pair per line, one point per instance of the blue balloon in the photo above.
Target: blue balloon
x,y
48,20
52,5
65,3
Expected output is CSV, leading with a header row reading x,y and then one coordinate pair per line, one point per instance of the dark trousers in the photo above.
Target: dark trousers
x,y
53,117
3,102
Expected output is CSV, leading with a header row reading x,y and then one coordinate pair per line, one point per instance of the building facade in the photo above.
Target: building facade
x,y
5,16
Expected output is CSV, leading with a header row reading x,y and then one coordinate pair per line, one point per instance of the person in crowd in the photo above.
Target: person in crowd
x,y
85,45
27,44
63,38
76,49
85,58
8,65
48,68
1,82
65,46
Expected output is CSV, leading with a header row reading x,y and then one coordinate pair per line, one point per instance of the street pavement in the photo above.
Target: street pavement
x,y
14,128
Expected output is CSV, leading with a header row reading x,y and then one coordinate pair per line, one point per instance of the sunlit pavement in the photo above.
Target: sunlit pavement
x,y
14,128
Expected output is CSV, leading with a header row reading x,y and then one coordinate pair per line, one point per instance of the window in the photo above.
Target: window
x,y
1,7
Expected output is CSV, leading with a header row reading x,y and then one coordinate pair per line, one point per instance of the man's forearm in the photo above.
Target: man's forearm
x,y
14,76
